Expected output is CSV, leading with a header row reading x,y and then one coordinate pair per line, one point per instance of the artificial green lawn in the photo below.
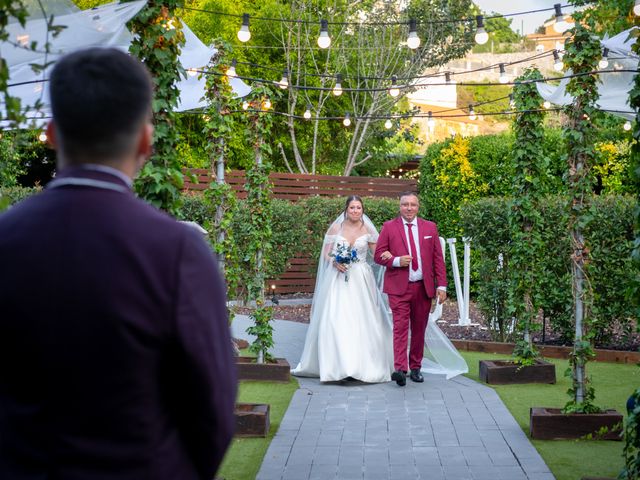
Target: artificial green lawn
x,y
569,459
244,458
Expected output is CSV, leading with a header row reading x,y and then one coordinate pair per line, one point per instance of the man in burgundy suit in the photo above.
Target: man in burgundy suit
x,y
115,352
415,274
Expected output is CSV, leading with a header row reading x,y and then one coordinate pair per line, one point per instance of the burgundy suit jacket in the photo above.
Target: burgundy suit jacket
x,y
393,239
115,351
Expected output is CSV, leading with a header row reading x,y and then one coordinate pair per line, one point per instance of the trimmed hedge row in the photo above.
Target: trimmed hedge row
x,y
609,236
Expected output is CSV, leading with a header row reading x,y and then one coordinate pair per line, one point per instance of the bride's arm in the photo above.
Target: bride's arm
x,y
386,255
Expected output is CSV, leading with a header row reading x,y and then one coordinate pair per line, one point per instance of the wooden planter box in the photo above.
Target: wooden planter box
x,y
501,372
551,423
277,371
252,419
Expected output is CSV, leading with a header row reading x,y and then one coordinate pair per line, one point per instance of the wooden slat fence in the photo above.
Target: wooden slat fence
x,y
292,186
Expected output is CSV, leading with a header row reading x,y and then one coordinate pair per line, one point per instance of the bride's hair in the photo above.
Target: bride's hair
x,y
353,198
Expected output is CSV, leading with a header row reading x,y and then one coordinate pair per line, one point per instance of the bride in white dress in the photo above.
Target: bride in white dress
x,y
350,330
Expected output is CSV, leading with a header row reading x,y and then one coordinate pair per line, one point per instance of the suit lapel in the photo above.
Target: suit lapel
x,y
401,231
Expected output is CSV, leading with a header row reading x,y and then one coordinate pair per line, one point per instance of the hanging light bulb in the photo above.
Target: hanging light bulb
x,y
447,77
231,71
482,36
557,61
324,40
472,113
266,104
43,136
307,112
604,61
394,91
284,81
245,105
337,89
503,74
347,120
430,120
512,102
627,124
413,40
388,124
244,34
636,8
561,24
192,72
547,104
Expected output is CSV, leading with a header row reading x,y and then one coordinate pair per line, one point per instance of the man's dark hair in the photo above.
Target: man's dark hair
x,y
99,97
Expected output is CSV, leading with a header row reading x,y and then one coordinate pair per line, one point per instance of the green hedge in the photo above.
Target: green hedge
x,y
298,227
609,236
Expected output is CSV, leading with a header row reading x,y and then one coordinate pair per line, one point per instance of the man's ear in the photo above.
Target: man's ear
x,y
145,145
52,140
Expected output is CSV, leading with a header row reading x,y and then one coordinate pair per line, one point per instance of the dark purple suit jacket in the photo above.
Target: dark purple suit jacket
x,y
115,353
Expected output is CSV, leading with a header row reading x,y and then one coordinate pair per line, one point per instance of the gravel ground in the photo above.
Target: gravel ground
x,y
300,313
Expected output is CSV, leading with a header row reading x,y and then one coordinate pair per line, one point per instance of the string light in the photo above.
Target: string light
x,y
43,136
347,120
337,89
636,8
284,81
307,112
547,104
244,34
472,113
266,104
482,36
447,77
231,71
245,105
413,40
430,121
512,102
627,124
503,74
394,91
557,61
604,61
388,124
561,24
324,40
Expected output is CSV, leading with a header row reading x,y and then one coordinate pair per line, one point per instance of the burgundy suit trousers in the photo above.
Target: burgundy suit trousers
x,y
410,311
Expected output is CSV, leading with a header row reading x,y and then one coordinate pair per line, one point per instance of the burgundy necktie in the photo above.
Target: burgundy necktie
x,y
414,250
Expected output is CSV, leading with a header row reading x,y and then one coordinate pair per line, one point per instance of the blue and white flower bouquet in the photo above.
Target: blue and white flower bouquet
x,y
345,254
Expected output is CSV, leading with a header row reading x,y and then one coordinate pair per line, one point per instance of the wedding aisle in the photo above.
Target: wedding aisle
x,y
438,430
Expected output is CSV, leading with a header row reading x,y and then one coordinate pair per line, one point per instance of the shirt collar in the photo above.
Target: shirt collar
x,y
106,169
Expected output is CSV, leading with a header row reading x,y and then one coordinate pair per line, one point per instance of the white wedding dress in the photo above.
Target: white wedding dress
x,y
350,331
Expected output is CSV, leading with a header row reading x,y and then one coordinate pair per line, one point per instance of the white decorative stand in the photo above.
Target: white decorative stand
x,y
462,296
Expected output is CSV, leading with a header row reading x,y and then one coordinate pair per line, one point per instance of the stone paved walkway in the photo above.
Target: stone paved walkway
x,y
438,430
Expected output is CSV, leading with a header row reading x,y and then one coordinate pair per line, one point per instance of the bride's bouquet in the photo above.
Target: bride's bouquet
x,y
346,255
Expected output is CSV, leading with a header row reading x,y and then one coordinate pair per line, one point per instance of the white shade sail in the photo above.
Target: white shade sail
x,y
103,26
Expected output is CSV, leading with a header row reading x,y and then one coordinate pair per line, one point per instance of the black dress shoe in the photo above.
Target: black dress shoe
x,y
399,377
416,376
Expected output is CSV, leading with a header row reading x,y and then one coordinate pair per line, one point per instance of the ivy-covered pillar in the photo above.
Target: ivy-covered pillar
x,y
583,53
258,250
529,163
218,123
157,43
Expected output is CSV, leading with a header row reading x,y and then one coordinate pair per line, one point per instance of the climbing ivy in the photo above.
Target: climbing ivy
x,y
157,41
583,52
217,124
527,243
259,245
